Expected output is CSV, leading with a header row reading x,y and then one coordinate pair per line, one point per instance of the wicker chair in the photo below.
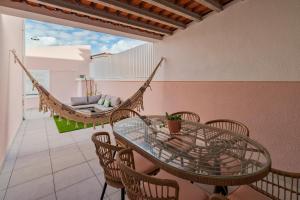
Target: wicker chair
x,y
186,115
106,154
162,187
230,125
233,126
278,185
122,113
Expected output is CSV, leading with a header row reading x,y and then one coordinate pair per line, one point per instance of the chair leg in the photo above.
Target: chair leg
x,y
103,191
123,194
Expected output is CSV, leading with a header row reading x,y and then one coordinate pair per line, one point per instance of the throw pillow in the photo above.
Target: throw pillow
x,y
106,103
76,101
101,101
93,99
115,101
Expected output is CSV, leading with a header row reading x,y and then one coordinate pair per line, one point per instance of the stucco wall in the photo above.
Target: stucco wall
x,y
11,88
252,40
65,64
242,64
270,109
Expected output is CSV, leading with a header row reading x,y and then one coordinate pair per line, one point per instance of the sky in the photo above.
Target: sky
x,y
39,34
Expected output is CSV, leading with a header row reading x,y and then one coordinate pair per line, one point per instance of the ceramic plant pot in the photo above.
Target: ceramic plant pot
x,y
174,126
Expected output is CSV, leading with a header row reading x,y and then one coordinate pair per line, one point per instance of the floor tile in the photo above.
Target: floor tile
x,y
33,159
117,196
89,189
65,161
37,125
111,190
59,140
82,135
32,132
64,150
101,178
88,149
39,149
14,149
48,197
72,175
33,148
51,128
86,144
31,190
34,138
52,131
25,174
89,154
2,194
8,166
4,180
95,165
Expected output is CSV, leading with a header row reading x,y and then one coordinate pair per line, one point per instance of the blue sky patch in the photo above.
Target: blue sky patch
x,y
39,34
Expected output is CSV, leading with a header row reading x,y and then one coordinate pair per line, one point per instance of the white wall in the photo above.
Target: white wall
x,y
252,40
241,64
133,64
11,90
65,64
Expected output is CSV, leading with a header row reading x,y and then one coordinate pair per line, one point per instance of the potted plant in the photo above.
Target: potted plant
x,y
174,123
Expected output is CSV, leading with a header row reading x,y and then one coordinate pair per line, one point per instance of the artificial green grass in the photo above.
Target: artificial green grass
x,y
63,126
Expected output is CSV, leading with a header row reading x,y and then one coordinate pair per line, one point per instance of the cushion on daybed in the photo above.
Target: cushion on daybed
x,y
98,100
76,101
106,103
101,107
115,101
93,99
101,101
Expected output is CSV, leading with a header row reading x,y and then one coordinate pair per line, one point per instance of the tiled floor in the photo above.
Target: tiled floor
x,y
45,165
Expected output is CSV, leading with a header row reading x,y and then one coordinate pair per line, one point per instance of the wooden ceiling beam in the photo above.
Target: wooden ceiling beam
x,y
141,12
27,11
211,4
174,8
102,14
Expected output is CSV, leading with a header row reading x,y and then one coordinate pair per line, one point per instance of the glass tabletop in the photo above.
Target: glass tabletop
x,y
198,152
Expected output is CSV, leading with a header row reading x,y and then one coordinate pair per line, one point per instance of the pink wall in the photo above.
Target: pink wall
x,y
235,64
65,64
11,90
270,109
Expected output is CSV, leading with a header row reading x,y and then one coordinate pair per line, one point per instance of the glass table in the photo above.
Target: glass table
x,y
198,153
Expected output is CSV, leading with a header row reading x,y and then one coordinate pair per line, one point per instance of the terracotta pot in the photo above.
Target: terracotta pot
x,y
174,126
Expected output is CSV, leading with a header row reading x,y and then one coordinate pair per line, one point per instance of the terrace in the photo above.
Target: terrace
x,y
222,59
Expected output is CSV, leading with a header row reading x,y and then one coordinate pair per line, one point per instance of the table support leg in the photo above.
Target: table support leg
x,y
221,190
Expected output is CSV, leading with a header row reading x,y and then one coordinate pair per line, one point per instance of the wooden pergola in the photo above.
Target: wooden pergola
x,y
147,18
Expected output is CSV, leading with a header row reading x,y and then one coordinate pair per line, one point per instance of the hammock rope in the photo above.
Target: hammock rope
x,y
50,103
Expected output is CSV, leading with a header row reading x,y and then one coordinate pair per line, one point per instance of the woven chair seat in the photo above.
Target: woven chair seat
x,y
187,190
247,193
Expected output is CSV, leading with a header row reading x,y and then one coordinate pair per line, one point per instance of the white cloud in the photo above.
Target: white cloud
x,y
52,34
48,41
42,41
123,45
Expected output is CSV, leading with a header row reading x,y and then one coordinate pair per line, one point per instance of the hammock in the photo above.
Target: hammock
x,y
50,103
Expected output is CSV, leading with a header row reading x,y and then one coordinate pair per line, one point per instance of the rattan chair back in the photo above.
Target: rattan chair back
x,y
122,113
106,154
230,125
143,187
279,185
190,116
